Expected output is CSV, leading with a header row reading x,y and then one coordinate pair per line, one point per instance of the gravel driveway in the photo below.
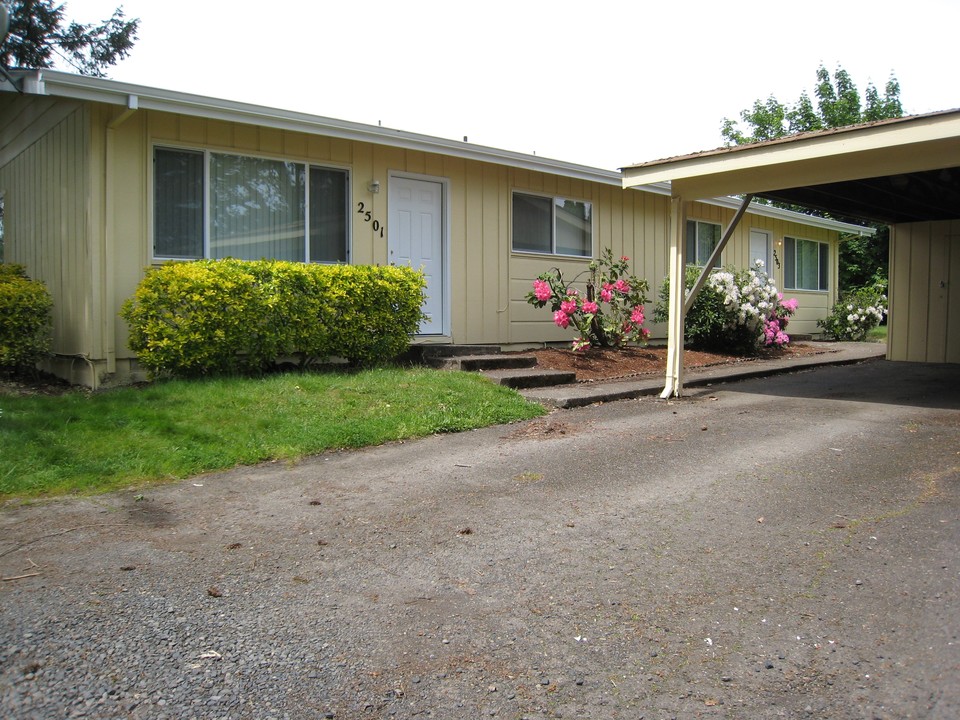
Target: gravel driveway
x,y
785,547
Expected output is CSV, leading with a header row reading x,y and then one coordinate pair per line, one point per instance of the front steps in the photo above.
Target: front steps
x,y
511,370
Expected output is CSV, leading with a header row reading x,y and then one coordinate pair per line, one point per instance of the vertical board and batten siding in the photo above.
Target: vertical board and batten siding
x,y
629,222
80,192
477,201
924,320
49,213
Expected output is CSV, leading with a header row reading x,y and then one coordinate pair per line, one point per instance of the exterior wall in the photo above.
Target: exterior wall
x,y
49,218
924,297
79,215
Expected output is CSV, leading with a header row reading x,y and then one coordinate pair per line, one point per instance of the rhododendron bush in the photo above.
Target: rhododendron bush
x,y
738,311
608,312
857,313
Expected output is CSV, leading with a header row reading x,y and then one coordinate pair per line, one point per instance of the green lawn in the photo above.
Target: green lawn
x,y
877,334
81,442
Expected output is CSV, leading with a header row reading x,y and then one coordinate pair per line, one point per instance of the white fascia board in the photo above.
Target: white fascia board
x,y
116,93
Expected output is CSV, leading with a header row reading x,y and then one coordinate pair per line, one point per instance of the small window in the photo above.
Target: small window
x,y
806,264
702,239
219,205
556,226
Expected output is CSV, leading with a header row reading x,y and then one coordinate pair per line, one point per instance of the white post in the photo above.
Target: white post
x,y
677,271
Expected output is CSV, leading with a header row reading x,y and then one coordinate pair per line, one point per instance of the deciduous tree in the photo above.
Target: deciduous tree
x,y
863,261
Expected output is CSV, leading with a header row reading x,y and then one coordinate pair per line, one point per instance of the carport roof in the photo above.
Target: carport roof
x,y
893,171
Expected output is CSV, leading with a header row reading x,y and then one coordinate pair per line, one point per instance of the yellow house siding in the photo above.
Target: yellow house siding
x,y
47,221
85,185
924,322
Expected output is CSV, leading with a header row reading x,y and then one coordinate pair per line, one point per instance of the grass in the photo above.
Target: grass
x,y
877,334
85,443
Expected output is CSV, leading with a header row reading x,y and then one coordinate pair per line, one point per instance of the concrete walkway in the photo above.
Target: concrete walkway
x,y
588,393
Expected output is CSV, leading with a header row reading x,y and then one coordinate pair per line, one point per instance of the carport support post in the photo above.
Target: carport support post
x,y
676,270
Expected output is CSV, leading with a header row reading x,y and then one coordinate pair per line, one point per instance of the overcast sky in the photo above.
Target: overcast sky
x,y
601,83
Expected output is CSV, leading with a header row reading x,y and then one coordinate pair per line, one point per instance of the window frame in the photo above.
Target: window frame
x,y
206,152
698,262
790,264
553,224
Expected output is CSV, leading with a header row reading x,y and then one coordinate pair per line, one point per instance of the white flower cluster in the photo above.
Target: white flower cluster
x,y
749,297
872,315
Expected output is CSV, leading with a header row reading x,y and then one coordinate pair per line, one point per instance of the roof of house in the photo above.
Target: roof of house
x,y
90,89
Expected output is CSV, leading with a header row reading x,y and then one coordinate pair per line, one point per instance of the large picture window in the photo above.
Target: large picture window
x,y
218,205
552,225
702,239
806,264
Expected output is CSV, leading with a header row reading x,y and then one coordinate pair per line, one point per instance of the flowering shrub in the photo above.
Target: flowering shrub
x,y
610,312
737,311
857,312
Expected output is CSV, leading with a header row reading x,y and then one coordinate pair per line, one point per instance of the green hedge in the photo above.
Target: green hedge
x,y
225,316
25,319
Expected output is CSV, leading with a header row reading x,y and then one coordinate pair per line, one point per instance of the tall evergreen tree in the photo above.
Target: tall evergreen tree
x,y
41,37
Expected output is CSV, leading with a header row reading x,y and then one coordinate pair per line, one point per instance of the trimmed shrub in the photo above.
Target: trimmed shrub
x,y
223,316
858,312
26,310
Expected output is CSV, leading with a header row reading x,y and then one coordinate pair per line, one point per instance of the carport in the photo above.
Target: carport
x,y
904,172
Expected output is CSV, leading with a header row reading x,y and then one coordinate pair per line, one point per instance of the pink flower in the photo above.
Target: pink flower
x,y
606,294
636,317
591,308
790,305
541,289
624,258
622,286
561,318
568,307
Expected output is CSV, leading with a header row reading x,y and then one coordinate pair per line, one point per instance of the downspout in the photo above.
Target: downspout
x,y
109,239
680,301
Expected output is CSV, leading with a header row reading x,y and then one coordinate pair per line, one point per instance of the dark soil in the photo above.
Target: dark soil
x,y
601,364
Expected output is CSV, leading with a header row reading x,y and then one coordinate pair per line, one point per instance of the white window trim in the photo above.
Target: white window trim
x,y
553,229
207,151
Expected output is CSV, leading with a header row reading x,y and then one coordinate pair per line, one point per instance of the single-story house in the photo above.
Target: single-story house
x,y
904,172
100,180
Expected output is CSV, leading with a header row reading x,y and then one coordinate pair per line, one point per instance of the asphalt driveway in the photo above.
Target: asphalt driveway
x,y
778,547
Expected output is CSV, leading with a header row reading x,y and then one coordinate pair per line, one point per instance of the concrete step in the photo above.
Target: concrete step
x,y
433,351
530,377
470,363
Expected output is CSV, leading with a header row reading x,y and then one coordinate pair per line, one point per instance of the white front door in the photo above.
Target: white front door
x,y
760,249
415,238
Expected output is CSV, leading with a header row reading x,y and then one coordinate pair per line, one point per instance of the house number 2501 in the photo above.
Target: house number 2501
x,y
368,217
